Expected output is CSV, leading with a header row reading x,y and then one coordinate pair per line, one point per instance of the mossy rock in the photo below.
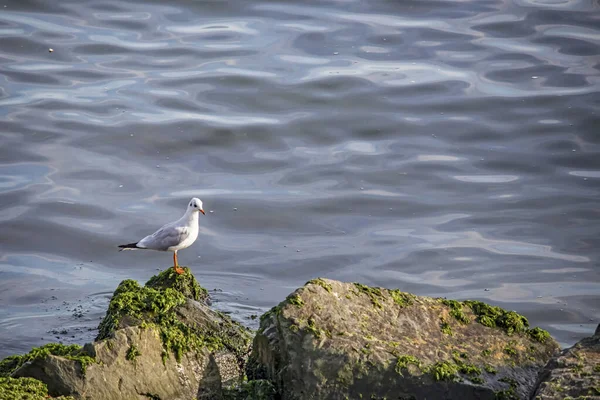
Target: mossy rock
x,y
159,341
71,352
572,374
251,390
25,389
161,304
185,283
334,340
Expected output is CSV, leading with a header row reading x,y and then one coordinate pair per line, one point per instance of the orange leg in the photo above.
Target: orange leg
x,y
175,265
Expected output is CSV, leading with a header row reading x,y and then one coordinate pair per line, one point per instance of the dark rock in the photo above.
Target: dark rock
x,y
251,390
334,340
574,373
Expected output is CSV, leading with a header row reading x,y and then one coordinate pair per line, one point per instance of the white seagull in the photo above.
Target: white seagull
x,y
174,236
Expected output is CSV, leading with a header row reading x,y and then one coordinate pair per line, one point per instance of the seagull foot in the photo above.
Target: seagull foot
x,y
179,270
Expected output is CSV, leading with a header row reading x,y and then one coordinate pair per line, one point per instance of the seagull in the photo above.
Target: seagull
x,y
174,236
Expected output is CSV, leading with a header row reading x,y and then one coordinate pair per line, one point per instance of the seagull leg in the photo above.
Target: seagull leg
x,y
175,265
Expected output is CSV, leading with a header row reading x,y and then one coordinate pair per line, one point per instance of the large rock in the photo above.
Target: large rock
x,y
334,340
574,373
156,342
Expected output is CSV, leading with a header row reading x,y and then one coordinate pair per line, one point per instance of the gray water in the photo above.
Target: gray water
x,y
446,148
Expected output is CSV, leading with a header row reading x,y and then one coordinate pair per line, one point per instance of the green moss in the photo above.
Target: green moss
x,y
311,326
456,310
9,364
255,389
322,283
132,353
296,300
25,389
477,380
404,361
155,306
469,369
444,371
273,312
403,299
458,356
464,367
577,368
492,316
508,394
513,322
597,368
374,294
510,350
185,283
486,353
538,334
445,327
490,370
72,352
512,382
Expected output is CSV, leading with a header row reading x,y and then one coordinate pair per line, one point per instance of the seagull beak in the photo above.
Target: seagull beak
x,y
202,211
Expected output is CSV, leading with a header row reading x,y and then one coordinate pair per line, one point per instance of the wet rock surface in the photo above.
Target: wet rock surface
x,y
159,341
334,340
326,340
574,373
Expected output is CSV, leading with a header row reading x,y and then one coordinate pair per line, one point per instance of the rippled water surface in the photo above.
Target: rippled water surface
x,y
447,148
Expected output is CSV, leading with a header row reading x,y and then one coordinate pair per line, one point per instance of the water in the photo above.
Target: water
x,y
444,148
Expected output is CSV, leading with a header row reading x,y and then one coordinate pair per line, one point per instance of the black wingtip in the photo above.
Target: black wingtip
x,y
128,246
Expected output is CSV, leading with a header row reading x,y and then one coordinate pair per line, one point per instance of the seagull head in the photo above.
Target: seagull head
x,y
195,205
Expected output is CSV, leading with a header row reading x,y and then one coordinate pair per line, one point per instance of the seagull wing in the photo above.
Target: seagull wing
x,y
164,238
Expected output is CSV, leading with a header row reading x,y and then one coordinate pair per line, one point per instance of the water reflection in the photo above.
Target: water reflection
x,y
448,149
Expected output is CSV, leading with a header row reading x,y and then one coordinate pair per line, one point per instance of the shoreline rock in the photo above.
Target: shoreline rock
x,y
159,341
572,374
334,340
326,340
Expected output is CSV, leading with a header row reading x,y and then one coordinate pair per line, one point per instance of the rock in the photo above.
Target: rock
x,y
259,389
185,284
574,373
155,342
25,389
334,340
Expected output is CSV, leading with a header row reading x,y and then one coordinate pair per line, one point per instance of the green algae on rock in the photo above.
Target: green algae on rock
x,y
144,326
155,305
572,374
403,362
25,389
259,389
132,353
185,283
365,342
321,282
71,352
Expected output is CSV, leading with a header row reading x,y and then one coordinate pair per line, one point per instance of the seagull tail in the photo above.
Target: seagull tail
x,y
129,246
